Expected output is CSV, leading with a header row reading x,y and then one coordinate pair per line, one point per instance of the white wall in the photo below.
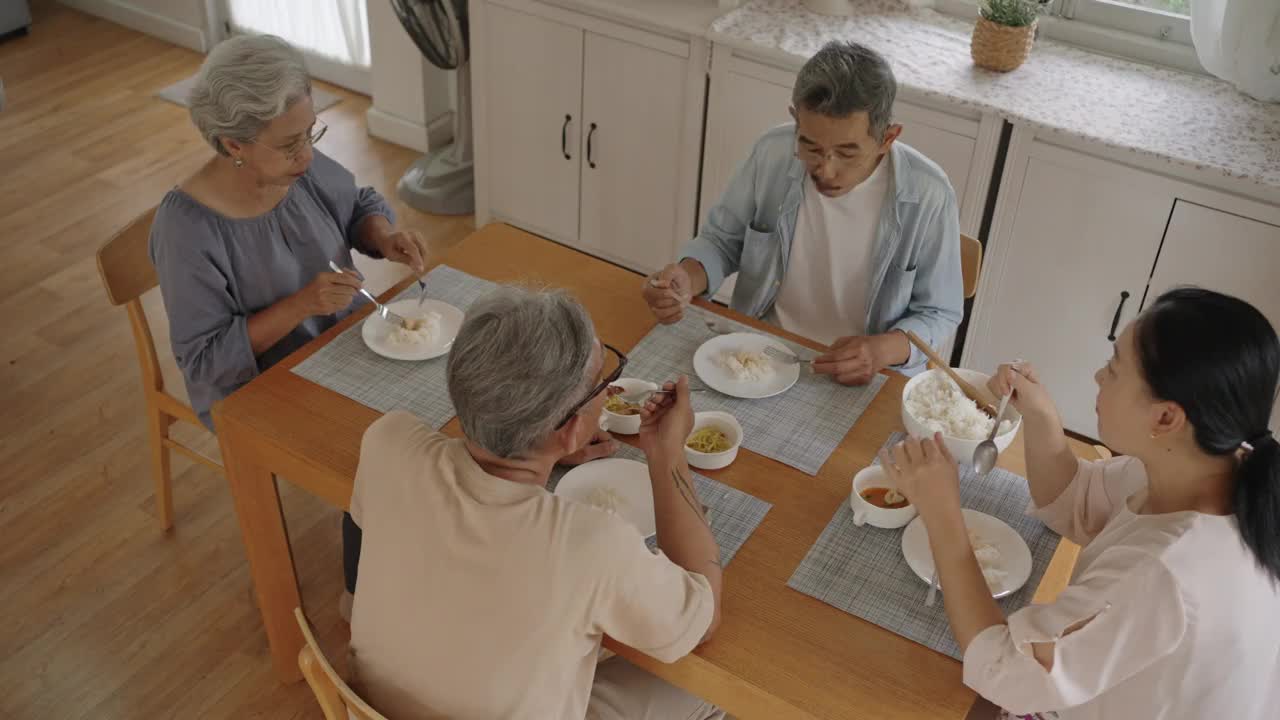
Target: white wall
x,y
412,99
181,22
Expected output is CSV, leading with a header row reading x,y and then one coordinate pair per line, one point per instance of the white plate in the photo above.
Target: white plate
x,y
628,478
375,330
706,365
1015,556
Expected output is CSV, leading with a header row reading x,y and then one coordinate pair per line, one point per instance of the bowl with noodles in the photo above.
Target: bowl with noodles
x,y
620,415
715,440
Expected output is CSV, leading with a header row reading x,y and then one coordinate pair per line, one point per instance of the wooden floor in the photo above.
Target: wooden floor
x,y
101,615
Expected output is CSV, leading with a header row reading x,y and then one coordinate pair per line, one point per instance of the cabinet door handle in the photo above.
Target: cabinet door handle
x,y
564,137
590,134
1115,321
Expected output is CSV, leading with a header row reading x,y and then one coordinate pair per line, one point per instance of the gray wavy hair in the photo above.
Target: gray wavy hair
x,y
844,78
521,359
246,82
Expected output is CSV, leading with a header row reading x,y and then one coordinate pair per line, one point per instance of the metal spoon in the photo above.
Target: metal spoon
x,y
642,396
986,454
932,597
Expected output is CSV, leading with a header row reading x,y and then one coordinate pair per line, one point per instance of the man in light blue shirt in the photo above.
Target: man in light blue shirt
x,y
837,232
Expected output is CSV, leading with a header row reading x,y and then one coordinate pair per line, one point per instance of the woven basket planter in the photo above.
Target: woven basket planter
x,y
1000,47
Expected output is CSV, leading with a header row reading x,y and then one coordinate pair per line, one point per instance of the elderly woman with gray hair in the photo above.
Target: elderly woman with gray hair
x,y
482,595
242,247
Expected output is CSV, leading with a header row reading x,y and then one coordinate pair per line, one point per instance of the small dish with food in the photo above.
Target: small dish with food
x,y
622,415
932,403
876,500
715,440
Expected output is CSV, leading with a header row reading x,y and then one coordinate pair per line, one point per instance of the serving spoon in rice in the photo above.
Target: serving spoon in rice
x,y
966,387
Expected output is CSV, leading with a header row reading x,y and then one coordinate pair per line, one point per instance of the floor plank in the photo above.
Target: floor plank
x,y
107,617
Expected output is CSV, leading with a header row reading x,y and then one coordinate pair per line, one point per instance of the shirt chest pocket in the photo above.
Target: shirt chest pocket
x,y
898,286
758,248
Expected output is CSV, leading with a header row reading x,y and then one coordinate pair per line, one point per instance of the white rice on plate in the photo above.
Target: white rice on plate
x,y
607,499
939,404
747,365
989,560
424,329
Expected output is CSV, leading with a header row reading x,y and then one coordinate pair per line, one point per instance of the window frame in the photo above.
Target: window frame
x,y
1135,33
1149,22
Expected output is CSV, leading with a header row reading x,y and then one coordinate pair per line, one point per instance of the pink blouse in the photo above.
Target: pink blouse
x,y
1182,622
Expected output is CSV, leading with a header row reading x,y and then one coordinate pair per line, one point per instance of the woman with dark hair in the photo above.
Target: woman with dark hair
x,y
1174,606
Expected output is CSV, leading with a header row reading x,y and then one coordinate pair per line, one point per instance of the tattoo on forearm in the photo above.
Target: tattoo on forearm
x,y
686,491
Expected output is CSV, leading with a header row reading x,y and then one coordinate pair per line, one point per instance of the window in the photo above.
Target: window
x,y
1162,19
333,35
1154,31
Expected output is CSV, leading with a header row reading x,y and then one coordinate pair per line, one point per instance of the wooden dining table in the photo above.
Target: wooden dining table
x,y
777,654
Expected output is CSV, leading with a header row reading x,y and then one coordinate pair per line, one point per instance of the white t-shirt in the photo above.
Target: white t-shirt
x,y
824,294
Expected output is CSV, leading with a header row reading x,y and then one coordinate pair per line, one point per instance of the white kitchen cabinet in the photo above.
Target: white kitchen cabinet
x,y
1069,260
533,98
1073,233
587,131
631,150
1224,252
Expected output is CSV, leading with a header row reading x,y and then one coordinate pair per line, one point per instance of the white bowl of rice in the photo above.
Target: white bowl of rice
x,y
932,403
720,434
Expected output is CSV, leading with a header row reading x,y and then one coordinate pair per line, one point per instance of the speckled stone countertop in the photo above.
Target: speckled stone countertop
x,y
1125,106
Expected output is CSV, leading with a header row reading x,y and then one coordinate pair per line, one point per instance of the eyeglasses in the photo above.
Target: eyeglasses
x,y
291,153
813,156
609,380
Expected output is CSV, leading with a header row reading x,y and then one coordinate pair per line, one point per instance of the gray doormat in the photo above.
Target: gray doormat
x,y
177,94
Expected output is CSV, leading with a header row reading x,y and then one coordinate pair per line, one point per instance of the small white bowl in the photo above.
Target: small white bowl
x,y
626,424
868,514
961,449
728,425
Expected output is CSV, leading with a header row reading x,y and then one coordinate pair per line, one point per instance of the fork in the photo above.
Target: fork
x,y
422,291
717,328
785,357
382,310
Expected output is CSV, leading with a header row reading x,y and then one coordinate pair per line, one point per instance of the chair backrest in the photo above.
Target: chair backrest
x,y
126,270
125,264
970,264
337,700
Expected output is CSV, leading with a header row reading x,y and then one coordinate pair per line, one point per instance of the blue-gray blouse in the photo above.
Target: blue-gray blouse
x,y
216,271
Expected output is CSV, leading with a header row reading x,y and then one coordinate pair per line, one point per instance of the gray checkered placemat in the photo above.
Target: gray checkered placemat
x,y
801,427
861,569
734,514
348,367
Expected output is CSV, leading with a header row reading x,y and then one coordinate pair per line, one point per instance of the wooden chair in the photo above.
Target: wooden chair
x,y
970,264
127,273
336,698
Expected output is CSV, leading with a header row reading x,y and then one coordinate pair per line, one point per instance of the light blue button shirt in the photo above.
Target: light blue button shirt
x,y
916,283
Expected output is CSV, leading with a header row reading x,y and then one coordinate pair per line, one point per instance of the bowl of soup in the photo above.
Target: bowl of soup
x,y
876,500
622,415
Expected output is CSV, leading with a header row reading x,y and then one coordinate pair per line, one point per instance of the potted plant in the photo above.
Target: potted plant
x,y
1005,31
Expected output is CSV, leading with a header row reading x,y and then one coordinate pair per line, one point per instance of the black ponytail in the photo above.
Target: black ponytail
x,y
1257,502
1219,359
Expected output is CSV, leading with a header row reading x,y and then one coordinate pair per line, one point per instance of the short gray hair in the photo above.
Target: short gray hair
x,y
520,361
845,78
245,83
